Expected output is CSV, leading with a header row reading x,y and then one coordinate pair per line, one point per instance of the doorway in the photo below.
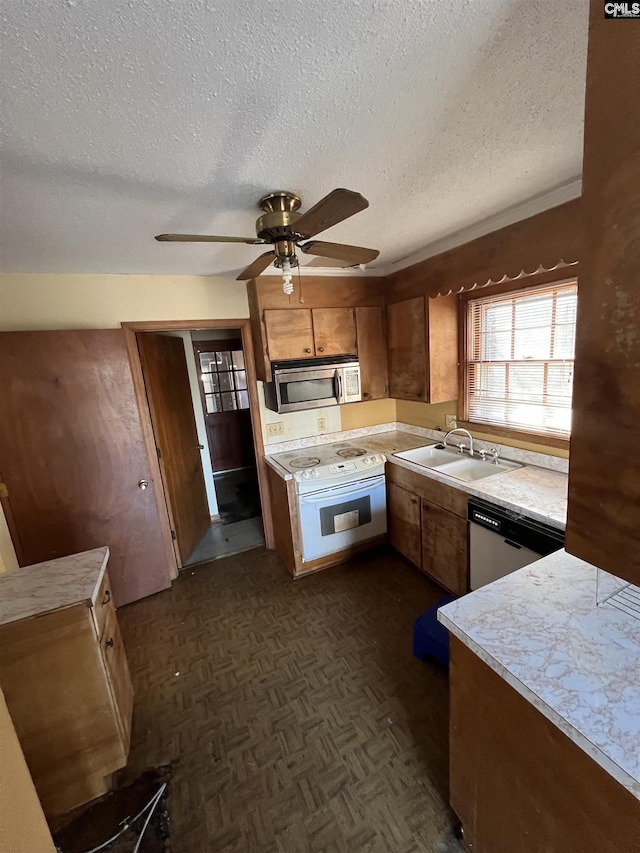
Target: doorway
x,y
200,396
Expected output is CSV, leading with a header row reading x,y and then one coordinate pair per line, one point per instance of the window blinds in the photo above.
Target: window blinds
x,y
519,368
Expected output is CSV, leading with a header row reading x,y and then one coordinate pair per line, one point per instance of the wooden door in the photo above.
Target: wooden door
x,y
166,379
334,331
603,522
72,455
406,348
289,333
403,510
372,352
445,549
230,440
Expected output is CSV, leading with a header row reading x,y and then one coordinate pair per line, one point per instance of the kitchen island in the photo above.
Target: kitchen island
x,y
545,713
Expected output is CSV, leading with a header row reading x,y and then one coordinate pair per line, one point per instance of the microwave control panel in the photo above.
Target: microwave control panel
x,y
351,383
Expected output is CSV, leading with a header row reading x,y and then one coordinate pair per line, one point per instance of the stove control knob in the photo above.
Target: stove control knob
x,y
305,475
314,473
367,460
375,458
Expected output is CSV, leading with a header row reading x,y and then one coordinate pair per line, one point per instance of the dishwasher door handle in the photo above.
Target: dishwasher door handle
x,y
513,544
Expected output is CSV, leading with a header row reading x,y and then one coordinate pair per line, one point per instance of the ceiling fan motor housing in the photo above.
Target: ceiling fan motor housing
x,y
280,215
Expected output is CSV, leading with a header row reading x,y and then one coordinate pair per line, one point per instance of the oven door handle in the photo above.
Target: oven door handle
x,y
332,495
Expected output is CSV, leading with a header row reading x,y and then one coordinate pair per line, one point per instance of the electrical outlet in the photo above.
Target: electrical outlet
x,y
322,423
450,421
276,428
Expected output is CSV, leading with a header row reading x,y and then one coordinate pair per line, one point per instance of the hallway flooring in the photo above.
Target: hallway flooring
x,y
293,712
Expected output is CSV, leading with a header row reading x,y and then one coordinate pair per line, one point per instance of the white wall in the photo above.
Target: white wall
x,y
201,428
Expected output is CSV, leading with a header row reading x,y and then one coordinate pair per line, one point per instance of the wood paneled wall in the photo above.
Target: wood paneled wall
x,y
541,240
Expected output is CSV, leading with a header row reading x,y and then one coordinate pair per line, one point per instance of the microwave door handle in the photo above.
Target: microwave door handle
x,y
337,386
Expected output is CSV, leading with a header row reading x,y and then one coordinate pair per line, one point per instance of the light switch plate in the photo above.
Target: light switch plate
x,y
450,421
322,423
276,428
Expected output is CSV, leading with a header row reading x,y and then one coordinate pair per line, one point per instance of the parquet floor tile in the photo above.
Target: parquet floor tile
x,y
293,711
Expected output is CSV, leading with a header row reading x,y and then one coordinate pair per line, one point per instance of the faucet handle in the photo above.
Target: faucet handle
x,y
495,452
483,455
461,447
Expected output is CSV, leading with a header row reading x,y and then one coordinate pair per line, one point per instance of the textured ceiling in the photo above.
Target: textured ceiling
x,y
126,119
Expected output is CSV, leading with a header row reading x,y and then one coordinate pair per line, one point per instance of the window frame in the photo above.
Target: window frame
x,y
499,430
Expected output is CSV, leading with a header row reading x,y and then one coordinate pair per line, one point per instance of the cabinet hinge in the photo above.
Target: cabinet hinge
x,y
173,535
159,452
4,491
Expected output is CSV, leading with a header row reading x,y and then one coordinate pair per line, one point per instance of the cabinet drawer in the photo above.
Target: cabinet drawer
x,y
103,606
117,668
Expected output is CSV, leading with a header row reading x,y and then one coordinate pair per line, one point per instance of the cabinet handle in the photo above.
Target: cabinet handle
x,y
109,643
307,349
365,393
425,506
414,501
320,349
107,597
420,394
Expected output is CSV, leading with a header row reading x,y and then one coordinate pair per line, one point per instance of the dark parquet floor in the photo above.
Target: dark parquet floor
x,y
293,712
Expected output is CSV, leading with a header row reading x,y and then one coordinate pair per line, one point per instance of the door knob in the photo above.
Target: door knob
x,y
143,484
201,447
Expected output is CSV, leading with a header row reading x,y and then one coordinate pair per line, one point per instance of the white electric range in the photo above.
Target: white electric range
x,y
341,495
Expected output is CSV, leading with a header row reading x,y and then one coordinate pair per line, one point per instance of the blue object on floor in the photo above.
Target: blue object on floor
x,y
429,636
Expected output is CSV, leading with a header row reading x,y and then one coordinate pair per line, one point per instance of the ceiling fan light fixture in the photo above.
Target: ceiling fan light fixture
x,y
287,276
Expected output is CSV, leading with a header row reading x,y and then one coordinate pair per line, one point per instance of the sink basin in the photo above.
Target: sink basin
x,y
450,462
476,469
430,456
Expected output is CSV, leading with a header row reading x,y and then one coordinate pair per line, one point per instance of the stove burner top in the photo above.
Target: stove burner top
x,y
305,462
351,452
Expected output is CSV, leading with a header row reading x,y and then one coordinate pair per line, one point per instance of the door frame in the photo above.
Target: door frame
x,y
244,325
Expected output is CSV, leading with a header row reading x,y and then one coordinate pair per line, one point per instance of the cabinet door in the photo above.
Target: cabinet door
x,y
445,549
372,352
404,522
117,668
406,347
289,333
334,331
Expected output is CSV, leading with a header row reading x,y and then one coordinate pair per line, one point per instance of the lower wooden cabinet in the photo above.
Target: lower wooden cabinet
x,y
445,547
66,681
428,525
403,523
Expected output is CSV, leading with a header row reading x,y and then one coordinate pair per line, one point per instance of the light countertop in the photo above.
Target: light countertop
x,y
33,590
539,628
538,493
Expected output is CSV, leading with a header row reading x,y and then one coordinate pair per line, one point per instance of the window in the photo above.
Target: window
x,y
518,370
224,380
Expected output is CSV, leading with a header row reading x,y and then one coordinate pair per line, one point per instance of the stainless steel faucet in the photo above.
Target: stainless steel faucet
x,y
461,447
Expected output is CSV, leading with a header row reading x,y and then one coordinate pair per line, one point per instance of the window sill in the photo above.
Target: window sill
x,y
517,434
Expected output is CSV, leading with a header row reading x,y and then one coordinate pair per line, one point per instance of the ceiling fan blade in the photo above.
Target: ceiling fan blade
x,y
333,208
340,251
258,266
206,238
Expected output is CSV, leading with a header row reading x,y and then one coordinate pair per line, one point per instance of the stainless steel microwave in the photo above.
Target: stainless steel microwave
x,y
311,383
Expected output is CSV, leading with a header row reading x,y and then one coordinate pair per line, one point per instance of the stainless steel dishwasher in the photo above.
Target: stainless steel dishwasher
x,y
501,541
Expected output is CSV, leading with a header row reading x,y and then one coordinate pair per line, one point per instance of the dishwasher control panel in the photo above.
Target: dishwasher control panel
x,y
486,520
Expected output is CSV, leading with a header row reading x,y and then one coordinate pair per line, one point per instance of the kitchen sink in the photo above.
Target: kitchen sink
x,y
431,456
476,469
451,463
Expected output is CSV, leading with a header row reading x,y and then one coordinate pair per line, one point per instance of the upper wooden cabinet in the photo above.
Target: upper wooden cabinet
x,y
372,352
308,332
422,345
334,331
289,333
603,525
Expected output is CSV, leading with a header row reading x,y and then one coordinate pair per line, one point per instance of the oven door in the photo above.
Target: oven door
x,y
307,389
338,518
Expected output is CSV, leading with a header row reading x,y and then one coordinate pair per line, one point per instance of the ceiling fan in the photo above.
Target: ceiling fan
x,y
286,230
